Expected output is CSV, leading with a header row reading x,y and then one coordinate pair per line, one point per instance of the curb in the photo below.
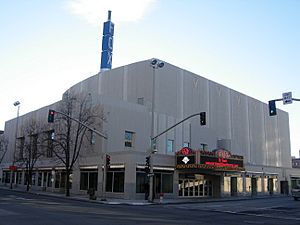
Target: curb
x,y
136,203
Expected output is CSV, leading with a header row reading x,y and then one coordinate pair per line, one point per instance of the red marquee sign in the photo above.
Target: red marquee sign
x,y
13,168
219,159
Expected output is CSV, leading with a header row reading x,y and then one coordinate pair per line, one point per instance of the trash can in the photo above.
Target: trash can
x,y
91,193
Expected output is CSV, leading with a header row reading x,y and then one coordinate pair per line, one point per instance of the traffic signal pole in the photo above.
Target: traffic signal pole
x,y
76,120
272,104
152,150
51,115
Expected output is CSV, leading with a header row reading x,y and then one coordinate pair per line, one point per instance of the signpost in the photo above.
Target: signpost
x,y
287,98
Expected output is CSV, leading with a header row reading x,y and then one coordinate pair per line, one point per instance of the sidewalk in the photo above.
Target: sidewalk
x,y
112,201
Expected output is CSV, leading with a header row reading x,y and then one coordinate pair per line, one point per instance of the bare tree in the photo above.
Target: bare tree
x,y
70,136
29,149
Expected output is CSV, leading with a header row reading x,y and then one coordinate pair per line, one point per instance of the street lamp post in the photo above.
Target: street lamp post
x,y
17,103
155,64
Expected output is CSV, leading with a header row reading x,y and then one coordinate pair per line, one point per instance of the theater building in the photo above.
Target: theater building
x,y
239,150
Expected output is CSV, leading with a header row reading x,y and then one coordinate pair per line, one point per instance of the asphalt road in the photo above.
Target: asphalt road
x,y
27,209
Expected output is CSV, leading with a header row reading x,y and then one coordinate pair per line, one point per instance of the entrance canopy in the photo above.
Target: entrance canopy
x,y
216,160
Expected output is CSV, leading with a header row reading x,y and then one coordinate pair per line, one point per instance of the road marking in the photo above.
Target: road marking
x,y
254,222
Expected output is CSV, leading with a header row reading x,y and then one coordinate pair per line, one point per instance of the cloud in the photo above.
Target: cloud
x,y
94,11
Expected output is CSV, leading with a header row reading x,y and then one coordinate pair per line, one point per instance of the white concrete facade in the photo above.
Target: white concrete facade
x,y
233,121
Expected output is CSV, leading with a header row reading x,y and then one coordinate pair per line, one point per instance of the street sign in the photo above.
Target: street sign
x,y
287,98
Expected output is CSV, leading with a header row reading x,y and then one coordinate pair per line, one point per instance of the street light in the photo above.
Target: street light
x,y
16,103
155,64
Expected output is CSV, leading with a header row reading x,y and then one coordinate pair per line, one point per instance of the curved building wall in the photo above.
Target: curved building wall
x,y
263,140
234,121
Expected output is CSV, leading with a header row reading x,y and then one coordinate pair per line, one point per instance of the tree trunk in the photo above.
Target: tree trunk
x,y
67,182
29,177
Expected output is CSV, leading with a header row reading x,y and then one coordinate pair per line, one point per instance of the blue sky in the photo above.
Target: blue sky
x,y
251,46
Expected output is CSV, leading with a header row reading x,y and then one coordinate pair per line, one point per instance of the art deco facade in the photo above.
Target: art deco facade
x,y
237,125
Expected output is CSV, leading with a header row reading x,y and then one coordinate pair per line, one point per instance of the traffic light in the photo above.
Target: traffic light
x,y
107,161
203,118
272,108
51,116
147,166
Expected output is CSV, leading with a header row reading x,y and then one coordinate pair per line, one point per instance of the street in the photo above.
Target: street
x,y
25,208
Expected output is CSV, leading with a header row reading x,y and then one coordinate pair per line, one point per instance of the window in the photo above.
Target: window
x,y
19,177
39,179
140,101
49,179
170,145
163,182
129,139
167,183
115,180
60,179
21,142
186,144
92,137
203,146
6,177
141,182
88,179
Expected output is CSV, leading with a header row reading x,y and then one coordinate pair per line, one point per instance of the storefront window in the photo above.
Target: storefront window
x,y
141,182
115,180
240,184
19,177
84,180
49,179
60,179
227,185
265,184
163,182
57,179
6,177
248,184
40,179
167,183
33,177
259,184
88,179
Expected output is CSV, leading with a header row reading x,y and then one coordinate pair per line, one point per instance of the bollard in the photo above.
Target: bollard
x,y
161,197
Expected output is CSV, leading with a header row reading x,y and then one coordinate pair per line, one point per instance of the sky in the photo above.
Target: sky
x,y
251,46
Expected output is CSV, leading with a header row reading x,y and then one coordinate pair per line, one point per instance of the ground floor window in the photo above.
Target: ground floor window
x,y
163,182
60,179
115,180
88,179
141,182
6,177
233,184
19,177
195,185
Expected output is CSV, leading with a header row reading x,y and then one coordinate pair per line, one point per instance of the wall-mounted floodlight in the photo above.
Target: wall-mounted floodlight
x,y
155,63
17,103
160,64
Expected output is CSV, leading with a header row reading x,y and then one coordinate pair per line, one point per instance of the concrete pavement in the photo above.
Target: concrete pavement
x,y
112,201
